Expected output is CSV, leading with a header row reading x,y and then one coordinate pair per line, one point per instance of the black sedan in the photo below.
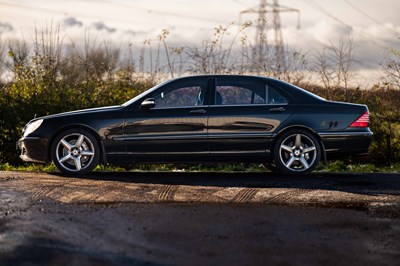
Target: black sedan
x,y
212,118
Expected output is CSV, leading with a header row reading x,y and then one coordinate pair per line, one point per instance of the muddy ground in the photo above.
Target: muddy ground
x,y
199,219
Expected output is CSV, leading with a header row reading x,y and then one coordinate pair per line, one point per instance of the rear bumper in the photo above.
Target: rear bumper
x,y
342,144
33,149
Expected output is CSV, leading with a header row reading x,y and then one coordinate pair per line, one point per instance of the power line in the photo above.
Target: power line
x,y
366,36
148,10
240,3
42,9
55,11
327,13
362,12
368,16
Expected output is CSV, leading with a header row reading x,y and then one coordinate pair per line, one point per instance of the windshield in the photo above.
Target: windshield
x,y
134,99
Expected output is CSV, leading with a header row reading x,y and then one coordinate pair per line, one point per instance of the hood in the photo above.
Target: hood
x,y
83,111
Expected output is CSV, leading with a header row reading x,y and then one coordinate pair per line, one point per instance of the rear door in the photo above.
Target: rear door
x,y
244,114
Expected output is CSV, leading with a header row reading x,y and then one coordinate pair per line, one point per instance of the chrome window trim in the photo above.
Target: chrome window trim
x,y
263,135
245,105
160,153
237,152
344,134
165,137
29,138
230,105
181,107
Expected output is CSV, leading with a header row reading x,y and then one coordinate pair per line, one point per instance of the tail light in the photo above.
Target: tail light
x,y
362,121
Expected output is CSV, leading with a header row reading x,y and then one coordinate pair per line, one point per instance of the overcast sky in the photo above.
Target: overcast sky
x,y
373,24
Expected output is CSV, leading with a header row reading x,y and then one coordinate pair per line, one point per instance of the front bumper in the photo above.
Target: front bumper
x,y
339,144
33,149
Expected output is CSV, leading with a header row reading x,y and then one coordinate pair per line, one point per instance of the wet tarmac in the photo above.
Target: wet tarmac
x,y
180,218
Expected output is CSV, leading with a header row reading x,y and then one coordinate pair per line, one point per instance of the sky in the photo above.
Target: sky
x,y
373,25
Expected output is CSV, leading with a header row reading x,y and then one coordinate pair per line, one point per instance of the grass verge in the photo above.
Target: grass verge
x,y
331,167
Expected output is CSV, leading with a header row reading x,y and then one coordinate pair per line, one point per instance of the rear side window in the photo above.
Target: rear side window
x,y
232,95
273,97
251,94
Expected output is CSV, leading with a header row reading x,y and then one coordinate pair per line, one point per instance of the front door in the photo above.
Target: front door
x,y
175,127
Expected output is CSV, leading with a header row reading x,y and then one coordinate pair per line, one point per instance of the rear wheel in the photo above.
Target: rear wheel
x,y
297,152
75,151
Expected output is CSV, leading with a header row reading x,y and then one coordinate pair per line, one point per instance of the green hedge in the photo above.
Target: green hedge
x,y
25,98
22,101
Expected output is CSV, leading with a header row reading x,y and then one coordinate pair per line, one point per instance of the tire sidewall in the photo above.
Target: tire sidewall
x,y
276,155
96,149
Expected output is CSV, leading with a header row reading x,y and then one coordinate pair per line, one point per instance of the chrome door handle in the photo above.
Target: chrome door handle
x,y
198,112
279,109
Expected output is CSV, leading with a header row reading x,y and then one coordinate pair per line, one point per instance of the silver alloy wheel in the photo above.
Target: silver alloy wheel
x,y
298,152
75,152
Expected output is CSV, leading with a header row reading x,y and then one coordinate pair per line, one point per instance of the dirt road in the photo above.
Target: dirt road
x,y
199,219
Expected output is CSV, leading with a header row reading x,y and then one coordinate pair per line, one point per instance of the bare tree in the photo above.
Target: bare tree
x,y
296,69
218,56
179,60
212,56
127,64
324,68
47,49
92,62
71,69
162,39
344,61
391,66
18,51
2,57
334,65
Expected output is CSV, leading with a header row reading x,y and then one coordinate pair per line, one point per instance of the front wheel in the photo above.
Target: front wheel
x,y
75,151
297,152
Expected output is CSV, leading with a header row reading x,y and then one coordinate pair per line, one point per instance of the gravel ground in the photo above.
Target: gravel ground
x,y
199,219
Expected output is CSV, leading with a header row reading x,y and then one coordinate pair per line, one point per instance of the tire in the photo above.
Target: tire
x,y
75,151
297,152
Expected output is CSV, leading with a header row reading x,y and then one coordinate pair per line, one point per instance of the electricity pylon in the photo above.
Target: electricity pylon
x,y
261,38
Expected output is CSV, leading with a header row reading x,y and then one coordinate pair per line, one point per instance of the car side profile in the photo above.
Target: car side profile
x,y
199,119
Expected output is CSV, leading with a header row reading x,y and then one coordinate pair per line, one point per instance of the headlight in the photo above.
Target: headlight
x,y
32,127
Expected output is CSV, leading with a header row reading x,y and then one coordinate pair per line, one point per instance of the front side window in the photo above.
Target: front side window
x,y
179,97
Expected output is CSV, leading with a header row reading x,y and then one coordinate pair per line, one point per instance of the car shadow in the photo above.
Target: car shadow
x,y
359,183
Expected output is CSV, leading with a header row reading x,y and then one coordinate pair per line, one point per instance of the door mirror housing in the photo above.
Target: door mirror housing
x,y
148,104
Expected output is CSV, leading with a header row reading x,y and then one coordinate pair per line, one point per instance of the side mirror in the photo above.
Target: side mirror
x,y
148,104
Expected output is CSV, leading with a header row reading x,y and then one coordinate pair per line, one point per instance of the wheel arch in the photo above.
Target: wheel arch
x,y
300,127
103,158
